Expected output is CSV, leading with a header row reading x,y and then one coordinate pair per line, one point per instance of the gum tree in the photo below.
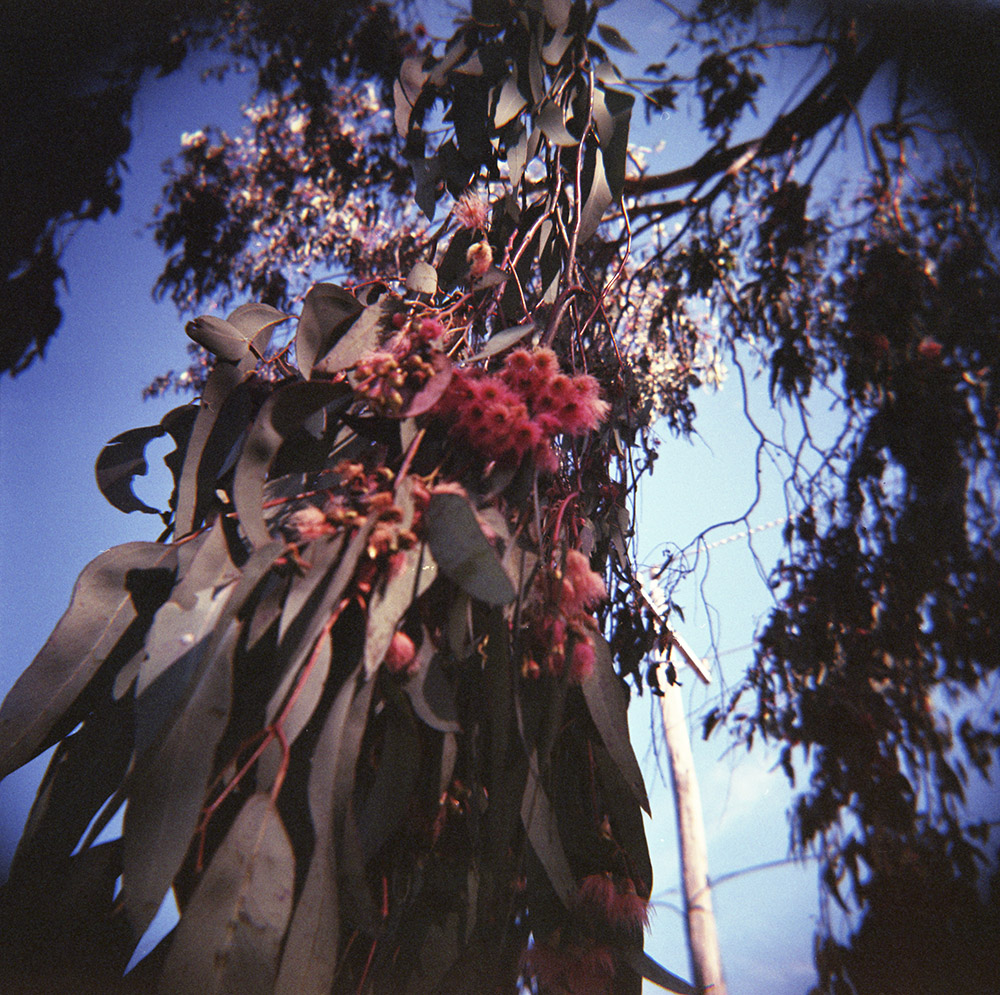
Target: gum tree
x,y
364,701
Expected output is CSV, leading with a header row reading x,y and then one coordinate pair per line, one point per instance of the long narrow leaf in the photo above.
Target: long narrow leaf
x,y
100,611
229,937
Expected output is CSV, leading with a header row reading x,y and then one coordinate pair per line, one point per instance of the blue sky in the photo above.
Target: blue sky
x,y
55,418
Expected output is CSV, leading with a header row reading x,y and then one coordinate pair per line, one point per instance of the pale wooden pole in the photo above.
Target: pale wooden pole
x,y
699,920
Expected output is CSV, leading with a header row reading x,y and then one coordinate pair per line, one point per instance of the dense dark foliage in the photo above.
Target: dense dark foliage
x,y
381,585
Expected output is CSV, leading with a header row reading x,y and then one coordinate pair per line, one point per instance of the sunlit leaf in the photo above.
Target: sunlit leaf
x,y
504,340
510,103
229,937
362,337
406,92
327,311
612,116
100,611
422,278
552,120
219,337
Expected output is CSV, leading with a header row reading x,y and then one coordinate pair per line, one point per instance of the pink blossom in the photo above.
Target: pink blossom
x,y
310,523
471,211
582,662
586,588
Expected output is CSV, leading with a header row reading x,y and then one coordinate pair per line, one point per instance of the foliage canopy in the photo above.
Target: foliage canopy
x,y
364,702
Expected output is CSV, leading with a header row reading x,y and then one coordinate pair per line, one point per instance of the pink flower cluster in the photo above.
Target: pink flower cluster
x,y
520,409
606,904
560,624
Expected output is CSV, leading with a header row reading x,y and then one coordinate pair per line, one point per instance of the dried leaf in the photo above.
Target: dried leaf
x,y
229,937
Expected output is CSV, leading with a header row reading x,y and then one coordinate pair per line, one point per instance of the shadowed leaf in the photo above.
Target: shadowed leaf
x,y
463,552
327,311
100,611
229,936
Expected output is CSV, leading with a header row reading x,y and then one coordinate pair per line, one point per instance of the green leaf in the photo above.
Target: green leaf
x,y
463,552
607,699
611,36
598,197
219,337
552,120
255,322
362,337
229,937
309,961
503,340
510,103
643,964
539,820
283,413
517,158
119,462
327,311
422,278
100,611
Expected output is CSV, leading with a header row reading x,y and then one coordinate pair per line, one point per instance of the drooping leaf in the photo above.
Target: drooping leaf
x,y
643,964
612,116
362,337
388,606
386,804
119,462
422,278
463,552
430,692
180,634
100,611
167,789
552,120
229,937
510,103
607,700
309,960
282,413
557,13
167,786
597,197
406,92
327,311
308,688
539,820
320,556
85,769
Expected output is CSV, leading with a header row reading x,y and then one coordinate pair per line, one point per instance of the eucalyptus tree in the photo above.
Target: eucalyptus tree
x,y
364,701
